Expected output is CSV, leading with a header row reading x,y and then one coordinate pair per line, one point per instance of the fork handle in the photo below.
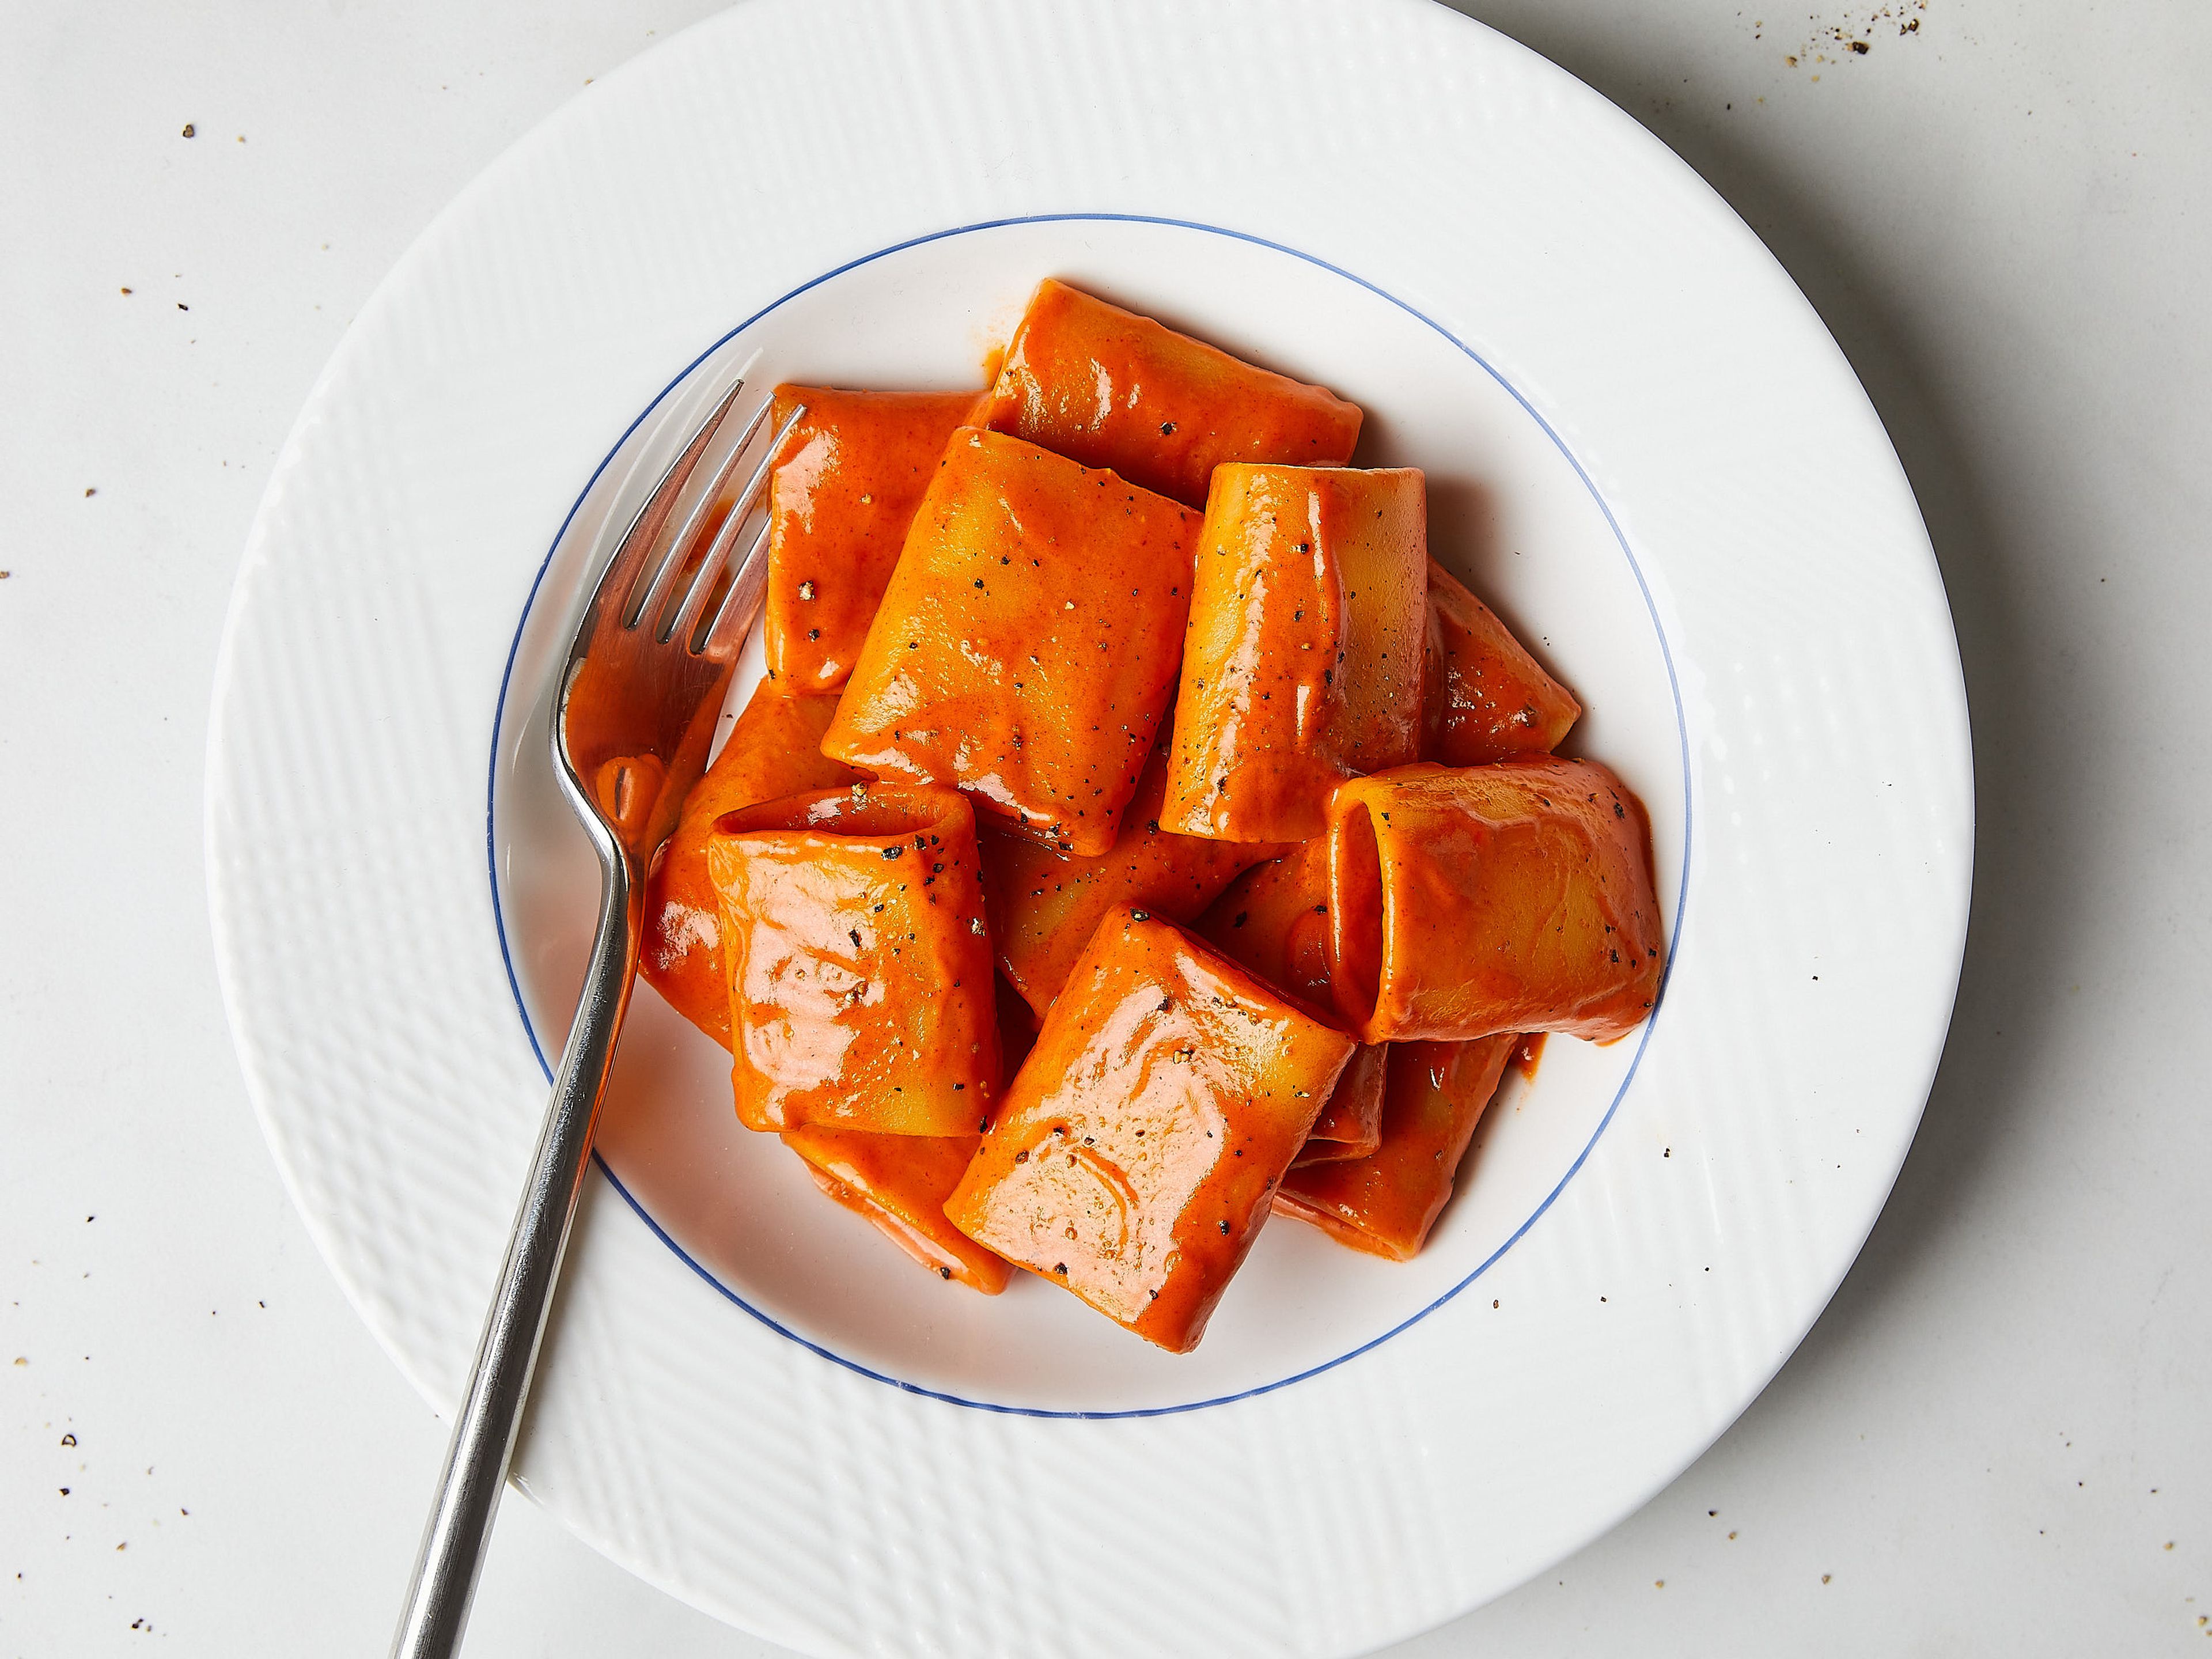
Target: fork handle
x,y
452,1550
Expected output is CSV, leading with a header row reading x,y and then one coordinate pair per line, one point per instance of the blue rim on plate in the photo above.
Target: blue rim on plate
x,y
1674,935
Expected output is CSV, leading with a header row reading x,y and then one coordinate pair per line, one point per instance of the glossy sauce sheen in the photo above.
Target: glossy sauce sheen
x,y
1135,1155
1485,698
1109,388
843,491
861,991
1275,920
775,749
1026,648
1044,905
1303,661
1468,901
1385,1204
900,1183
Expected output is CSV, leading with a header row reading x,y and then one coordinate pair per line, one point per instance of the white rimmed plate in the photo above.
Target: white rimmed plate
x,y
1641,446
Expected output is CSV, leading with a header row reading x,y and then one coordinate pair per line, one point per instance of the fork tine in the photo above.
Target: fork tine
x,y
710,567
671,562
748,584
646,526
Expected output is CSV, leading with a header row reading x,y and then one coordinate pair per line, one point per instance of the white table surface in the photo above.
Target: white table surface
x,y
1999,1437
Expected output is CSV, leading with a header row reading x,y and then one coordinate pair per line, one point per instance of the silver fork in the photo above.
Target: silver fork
x,y
634,713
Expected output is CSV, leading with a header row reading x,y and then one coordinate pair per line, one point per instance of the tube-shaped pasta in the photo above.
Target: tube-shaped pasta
x,y
1005,659
1133,1157
1108,387
1385,1204
1302,663
843,491
1487,699
1511,897
775,749
1274,920
900,1183
1351,1122
1045,905
859,960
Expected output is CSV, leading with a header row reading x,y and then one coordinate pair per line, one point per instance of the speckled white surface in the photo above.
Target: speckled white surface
x,y
2039,1283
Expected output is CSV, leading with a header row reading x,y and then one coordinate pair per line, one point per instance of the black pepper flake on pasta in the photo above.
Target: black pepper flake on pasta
x,y
945,1272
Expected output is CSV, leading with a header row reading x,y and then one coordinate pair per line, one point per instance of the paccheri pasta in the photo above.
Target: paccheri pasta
x,y
845,487
1044,905
1274,920
775,749
1302,663
1142,1142
1093,877
859,970
1025,650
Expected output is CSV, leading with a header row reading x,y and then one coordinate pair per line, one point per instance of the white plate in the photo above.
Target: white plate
x,y
1641,446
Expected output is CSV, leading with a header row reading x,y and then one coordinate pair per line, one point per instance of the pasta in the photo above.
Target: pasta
x,y
1094,876
1386,1203
844,488
1275,920
1109,388
1134,1156
900,1183
1487,699
1351,1123
859,965
1045,905
1004,661
1303,661
773,749
1468,901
